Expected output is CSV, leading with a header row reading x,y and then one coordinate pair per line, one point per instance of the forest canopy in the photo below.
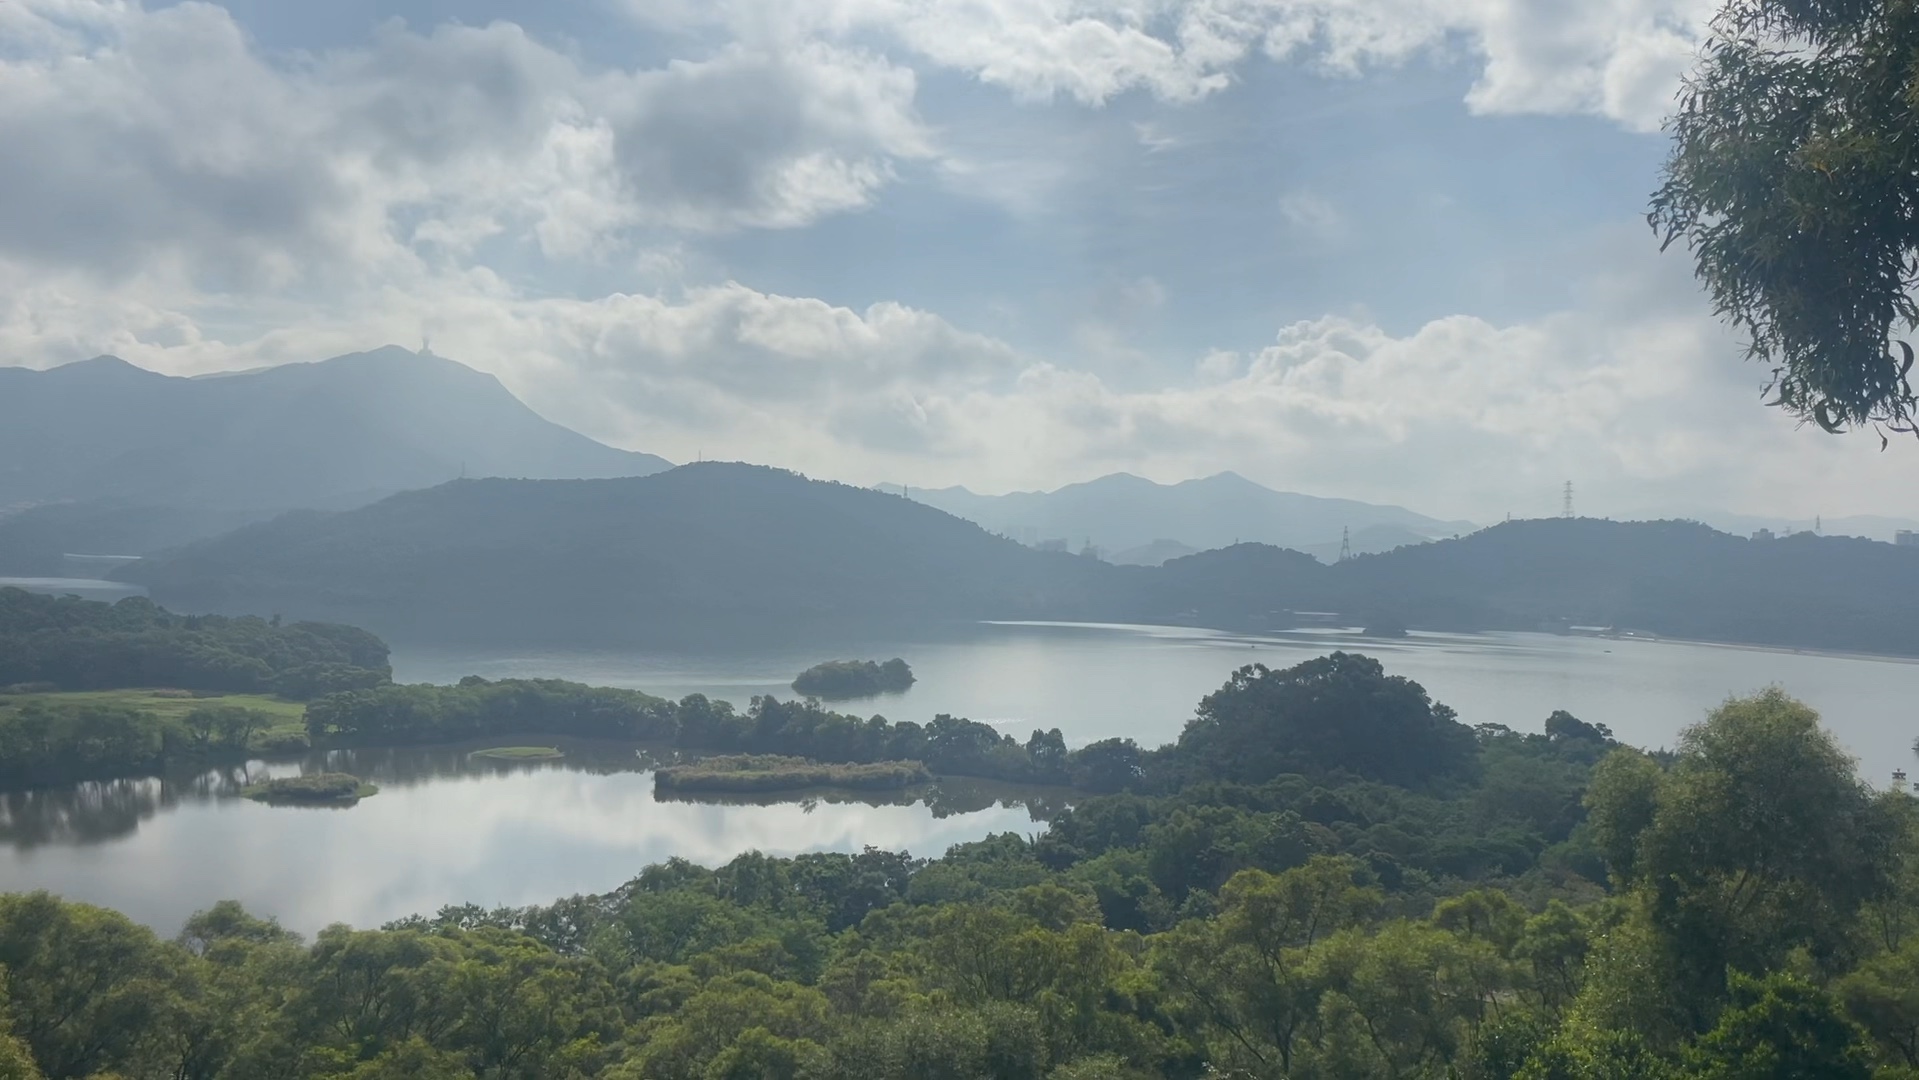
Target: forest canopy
x,y
1743,907
66,643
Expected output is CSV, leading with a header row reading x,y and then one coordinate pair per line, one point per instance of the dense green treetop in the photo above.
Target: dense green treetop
x,y
1340,711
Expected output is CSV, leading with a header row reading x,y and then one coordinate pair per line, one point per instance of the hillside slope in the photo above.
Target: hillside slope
x,y
712,547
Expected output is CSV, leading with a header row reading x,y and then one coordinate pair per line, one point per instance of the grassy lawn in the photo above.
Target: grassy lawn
x,y
519,753
288,716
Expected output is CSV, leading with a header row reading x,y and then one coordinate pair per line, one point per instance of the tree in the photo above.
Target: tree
x,y
1340,711
87,988
1762,839
1779,1028
1794,180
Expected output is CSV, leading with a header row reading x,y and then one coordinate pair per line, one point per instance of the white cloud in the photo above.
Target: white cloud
x,y
145,141
171,194
1615,58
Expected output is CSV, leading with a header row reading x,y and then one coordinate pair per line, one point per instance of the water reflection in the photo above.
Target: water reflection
x,y
446,828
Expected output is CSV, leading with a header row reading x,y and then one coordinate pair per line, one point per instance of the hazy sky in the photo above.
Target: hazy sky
x,y
1387,249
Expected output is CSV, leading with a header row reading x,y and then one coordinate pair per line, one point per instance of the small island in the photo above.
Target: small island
x,y
841,680
314,789
519,753
770,772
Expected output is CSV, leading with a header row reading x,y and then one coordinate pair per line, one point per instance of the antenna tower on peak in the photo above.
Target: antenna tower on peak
x,y
1566,510
1345,543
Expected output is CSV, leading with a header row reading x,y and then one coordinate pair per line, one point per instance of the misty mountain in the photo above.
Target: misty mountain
x,y
104,456
1371,540
1867,526
331,434
1123,511
723,550
1667,578
1152,554
707,547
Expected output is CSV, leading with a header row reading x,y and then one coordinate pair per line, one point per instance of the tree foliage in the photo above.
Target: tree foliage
x,y
67,643
1794,180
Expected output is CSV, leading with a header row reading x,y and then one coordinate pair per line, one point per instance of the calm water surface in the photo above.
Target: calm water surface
x,y
1093,682
445,830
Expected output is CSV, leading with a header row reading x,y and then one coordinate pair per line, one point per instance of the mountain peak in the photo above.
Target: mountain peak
x,y
317,434
102,367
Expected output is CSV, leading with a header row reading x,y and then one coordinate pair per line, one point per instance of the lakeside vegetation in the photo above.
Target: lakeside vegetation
x,y
66,643
771,772
844,680
49,738
1322,879
477,708
312,789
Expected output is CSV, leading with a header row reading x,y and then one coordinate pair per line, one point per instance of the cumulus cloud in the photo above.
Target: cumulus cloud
x,y
139,139
1620,59
171,193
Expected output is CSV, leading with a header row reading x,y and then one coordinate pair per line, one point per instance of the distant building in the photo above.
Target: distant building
x,y
1906,538
1762,534
1052,545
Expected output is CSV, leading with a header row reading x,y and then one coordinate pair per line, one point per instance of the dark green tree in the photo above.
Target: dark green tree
x,y
1779,1028
1337,712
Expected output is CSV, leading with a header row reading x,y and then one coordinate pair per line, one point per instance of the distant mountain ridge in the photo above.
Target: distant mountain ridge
x,y
1123,512
719,551
724,546
124,456
337,432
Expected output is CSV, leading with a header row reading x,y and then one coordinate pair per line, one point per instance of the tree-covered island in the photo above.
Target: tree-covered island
x,y
845,680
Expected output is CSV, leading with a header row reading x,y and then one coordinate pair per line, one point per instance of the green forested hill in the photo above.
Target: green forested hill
x,y
736,550
713,547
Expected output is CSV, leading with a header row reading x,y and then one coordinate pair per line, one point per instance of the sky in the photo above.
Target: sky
x,y
1392,250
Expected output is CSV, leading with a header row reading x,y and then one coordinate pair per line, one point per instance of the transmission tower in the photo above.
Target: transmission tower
x,y
1566,510
1345,543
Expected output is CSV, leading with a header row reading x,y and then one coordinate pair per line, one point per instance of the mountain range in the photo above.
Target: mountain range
x,y
1128,515
725,550
102,456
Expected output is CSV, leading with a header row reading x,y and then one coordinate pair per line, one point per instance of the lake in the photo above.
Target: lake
x,y
445,829
1142,682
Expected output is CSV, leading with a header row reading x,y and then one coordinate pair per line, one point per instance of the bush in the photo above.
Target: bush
x,y
311,788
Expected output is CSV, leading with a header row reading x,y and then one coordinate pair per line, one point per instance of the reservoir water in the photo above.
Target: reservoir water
x,y
446,829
